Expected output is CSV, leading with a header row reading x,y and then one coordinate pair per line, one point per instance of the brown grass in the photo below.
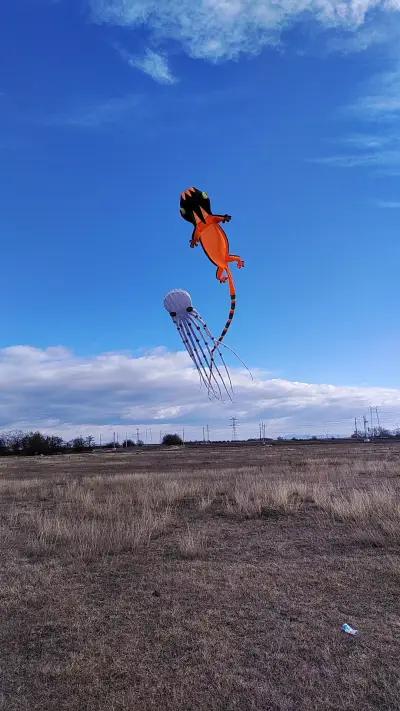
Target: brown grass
x,y
94,536
191,543
255,495
211,579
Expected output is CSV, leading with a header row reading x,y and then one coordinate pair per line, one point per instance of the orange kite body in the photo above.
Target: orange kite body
x,y
215,243
195,207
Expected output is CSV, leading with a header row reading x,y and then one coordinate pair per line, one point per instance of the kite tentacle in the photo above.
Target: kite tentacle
x,y
200,318
207,364
191,324
203,329
203,364
191,353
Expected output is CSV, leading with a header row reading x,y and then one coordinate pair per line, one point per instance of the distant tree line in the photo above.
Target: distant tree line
x,y
37,443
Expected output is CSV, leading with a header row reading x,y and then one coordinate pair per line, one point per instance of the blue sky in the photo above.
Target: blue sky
x,y
290,121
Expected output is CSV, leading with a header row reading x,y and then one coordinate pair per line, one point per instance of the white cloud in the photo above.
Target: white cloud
x,y
153,64
379,28
224,29
59,392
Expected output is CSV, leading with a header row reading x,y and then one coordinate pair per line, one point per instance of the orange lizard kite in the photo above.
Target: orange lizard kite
x,y
195,207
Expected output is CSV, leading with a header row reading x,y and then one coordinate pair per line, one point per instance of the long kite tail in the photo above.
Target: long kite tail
x,y
227,326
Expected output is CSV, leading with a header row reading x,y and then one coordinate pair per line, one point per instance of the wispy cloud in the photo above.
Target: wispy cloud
x,y
381,98
97,114
223,29
151,63
68,394
382,159
369,141
378,28
389,204
378,105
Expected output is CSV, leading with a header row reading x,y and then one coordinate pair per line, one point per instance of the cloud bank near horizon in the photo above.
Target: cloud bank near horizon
x,y
58,391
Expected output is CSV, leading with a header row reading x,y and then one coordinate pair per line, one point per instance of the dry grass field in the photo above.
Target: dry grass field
x,y
201,579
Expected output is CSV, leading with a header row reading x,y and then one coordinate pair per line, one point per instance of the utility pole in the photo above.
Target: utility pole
x,y
365,426
234,425
355,427
137,435
183,435
100,440
114,441
377,418
371,421
204,435
208,433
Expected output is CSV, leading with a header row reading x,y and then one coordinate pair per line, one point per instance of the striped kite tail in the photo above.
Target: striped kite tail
x,y
231,312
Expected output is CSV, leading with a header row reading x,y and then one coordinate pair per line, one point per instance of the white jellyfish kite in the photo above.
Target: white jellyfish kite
x,y
203,348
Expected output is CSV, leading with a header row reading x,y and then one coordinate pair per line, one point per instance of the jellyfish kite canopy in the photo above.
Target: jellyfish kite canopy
x,y
201,345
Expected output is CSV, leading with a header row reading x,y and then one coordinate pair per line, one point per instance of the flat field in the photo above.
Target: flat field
x,y
201,579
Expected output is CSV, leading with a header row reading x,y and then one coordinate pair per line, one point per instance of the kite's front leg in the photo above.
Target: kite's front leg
x,y
234,258
195,240
219,218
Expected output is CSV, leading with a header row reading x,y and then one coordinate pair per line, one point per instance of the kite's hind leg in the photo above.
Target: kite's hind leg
x,y
221,276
